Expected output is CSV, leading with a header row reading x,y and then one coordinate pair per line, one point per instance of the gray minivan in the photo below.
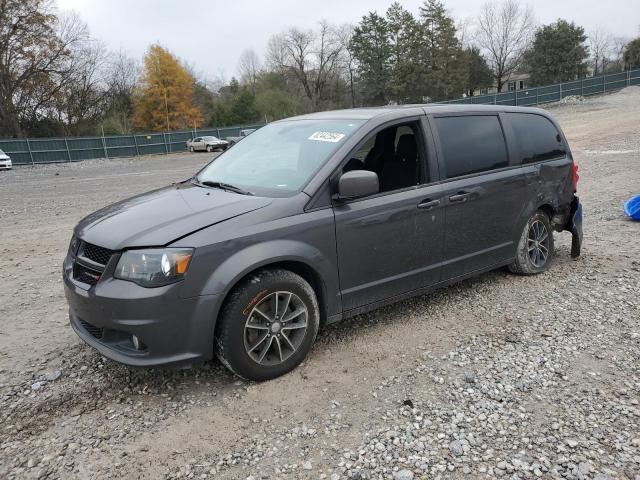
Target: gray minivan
x,y
314,219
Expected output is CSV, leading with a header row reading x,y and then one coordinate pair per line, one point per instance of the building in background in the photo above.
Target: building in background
x,y
517,81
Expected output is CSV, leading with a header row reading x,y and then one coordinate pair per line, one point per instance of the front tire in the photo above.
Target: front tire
x,y
535,248
268,325
209,148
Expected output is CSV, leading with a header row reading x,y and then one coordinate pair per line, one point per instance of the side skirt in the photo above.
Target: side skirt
x,y
412,293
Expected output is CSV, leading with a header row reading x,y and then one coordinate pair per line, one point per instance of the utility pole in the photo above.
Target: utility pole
x,y
166,107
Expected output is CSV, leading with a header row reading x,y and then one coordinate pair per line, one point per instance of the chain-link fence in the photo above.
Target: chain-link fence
x,y
30,151
555,93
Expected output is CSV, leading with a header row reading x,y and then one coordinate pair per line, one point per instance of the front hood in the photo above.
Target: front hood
x,y
157,218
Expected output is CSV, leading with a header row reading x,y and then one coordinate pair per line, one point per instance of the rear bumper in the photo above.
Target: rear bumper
x,y
172,330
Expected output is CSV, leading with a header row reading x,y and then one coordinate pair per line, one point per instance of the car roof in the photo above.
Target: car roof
x,y
367,113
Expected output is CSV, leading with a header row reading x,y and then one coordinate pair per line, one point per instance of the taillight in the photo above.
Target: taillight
x,y
574,176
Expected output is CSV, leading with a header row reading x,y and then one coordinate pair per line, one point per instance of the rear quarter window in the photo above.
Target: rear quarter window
x,y
471,144
536,138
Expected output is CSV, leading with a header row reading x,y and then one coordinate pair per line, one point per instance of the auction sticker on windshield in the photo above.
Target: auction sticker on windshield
x,y
332,137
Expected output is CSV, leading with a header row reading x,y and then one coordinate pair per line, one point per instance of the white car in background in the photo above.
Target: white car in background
x,y
208,143
5,161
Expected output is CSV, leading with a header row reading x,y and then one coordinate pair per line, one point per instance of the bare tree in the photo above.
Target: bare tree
x,y
347,59
249,68
36,49
121,79
311,57
464,31
82,98
600,43
618,44
504,32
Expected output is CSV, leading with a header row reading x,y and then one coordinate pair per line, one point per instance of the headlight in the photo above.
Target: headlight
x,y
154,267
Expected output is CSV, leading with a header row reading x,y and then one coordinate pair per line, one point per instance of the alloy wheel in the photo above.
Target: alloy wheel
x,y
538,244
275,328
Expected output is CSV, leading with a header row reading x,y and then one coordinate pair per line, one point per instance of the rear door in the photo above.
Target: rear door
x,y
390,243
483,191
539,147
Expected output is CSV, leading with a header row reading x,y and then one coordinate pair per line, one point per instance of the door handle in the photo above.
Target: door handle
x,y
459,197
428,204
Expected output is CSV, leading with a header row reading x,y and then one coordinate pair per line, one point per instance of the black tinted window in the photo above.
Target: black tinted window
x,y
536,138
471,144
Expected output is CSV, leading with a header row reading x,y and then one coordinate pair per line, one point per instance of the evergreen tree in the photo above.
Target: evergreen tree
x,y
480,75
372,51
558,54
404,35
444,68
632,54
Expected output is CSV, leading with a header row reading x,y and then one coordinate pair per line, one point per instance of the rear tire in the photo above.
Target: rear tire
x,y
268,325
191,149
535,248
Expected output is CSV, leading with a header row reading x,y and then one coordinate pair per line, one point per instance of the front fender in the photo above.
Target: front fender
x,y
255,256
233,269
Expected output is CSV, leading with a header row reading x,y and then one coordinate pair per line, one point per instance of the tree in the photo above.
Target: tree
x,y
249,67
504,33
445,69
81,102
404,37
600,43
347,62
309,57
35,60
632,54
558,53
165,97
372,51
618,45
480,75
122,75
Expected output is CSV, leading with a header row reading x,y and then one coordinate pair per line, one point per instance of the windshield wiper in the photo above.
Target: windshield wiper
x,y
225,186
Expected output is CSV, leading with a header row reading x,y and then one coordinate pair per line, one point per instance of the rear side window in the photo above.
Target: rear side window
x,y
536,138
471,144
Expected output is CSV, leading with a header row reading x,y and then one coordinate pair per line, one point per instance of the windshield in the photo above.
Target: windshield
x,y
279,159
210,138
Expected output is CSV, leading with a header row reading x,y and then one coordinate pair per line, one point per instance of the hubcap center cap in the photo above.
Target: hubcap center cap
x,y
275,327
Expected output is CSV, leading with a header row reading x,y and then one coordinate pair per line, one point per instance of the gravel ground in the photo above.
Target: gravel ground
x,y
499,376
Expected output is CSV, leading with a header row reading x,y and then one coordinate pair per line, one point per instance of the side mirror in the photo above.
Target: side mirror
x,y
357,183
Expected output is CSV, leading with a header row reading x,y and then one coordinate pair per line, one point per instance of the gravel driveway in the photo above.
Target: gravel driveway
x,y
499,376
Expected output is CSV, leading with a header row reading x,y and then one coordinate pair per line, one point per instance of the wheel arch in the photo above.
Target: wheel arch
x,y
298,257
304,269
547,209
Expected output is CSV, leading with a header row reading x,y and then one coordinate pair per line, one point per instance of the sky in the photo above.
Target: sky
x,y
211,35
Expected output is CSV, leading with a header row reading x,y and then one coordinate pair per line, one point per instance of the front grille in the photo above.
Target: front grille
x,y
95,253
85,274
90,263
94,331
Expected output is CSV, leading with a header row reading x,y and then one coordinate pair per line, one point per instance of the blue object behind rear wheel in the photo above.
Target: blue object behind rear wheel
x,y
632,207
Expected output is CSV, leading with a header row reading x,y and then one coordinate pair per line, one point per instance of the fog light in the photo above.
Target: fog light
x,y
136,343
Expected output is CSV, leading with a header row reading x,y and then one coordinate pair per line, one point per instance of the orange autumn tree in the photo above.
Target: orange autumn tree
x,y
164,98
